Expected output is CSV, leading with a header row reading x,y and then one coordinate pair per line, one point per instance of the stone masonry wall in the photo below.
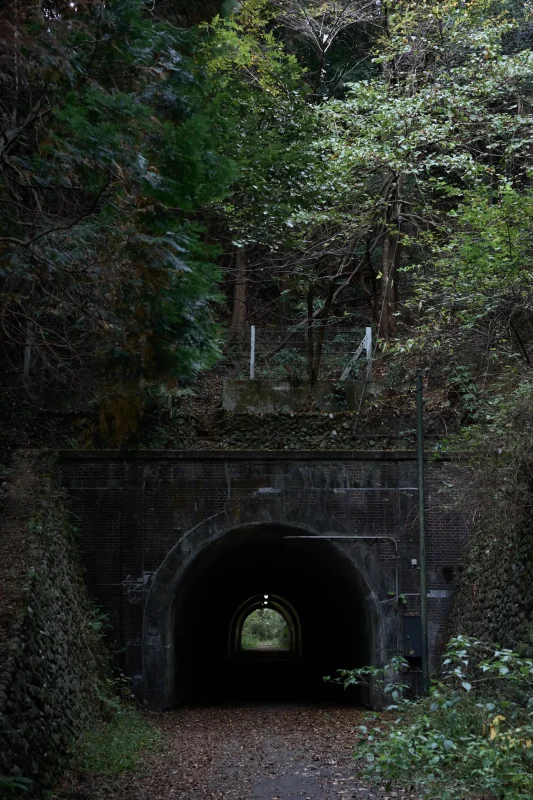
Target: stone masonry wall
x,y
494,601
52,655
283,430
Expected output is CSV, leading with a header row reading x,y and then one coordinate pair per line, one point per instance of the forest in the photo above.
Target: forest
x,y
173,173
166,182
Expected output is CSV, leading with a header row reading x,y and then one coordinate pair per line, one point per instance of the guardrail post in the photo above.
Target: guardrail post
x,y
252,352
368,349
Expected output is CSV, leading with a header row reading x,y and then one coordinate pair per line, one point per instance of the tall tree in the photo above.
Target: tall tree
x,y
106,155
405,146
259,89
321,26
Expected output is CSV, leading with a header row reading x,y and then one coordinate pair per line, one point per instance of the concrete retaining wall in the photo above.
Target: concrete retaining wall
x,y
268,397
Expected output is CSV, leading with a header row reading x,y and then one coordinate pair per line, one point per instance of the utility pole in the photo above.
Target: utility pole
x,y
422,532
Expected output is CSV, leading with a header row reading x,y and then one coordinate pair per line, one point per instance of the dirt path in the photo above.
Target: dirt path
x,y
250,753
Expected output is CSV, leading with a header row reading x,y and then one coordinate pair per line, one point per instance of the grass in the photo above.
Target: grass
x,y
250,642
113,747
14,787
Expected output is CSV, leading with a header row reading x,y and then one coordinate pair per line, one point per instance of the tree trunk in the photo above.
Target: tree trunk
x,y
396,283
321,334
391,262
240,289
310,336
389,292
283,308
373,291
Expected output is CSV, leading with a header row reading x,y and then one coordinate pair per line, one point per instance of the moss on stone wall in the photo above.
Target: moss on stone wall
x,y
494,600
49,677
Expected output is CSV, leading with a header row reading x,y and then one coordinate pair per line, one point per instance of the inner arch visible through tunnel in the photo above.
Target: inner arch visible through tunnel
x,y
284,610
199,597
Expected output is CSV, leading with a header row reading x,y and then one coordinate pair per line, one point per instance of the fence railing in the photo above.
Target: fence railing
x,y
278,353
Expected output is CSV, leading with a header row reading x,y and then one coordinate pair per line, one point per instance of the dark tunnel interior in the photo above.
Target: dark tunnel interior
x,y
332,623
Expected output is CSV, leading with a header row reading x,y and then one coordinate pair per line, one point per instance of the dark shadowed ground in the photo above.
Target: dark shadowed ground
x,y
244,753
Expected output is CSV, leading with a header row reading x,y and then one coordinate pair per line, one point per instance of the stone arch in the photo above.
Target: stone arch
x,y
163,670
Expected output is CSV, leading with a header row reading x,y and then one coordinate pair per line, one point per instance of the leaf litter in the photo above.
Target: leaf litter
x,y
274,752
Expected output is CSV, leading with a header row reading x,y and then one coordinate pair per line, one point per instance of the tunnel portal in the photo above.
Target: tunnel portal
x,y
328,608
178,546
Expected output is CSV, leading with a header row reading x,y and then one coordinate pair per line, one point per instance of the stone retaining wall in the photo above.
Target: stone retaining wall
x,y
48,677
494,601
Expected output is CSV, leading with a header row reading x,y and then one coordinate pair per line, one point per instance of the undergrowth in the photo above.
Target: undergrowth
x,y
115,746
265,627
473,735
14,787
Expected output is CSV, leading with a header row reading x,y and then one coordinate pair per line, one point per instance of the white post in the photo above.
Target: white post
x,y
368,348
252,352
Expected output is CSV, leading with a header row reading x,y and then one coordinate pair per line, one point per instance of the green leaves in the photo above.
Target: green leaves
x,y
257,89
456,743
106,271
415,149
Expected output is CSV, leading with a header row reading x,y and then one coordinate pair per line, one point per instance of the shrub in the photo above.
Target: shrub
x,y
473,734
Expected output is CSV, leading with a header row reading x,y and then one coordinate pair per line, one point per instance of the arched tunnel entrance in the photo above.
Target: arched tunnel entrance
x,y
320,592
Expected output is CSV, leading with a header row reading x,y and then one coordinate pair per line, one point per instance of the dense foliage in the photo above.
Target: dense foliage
x,y
265,627
474,733
368,164
397,197
106,156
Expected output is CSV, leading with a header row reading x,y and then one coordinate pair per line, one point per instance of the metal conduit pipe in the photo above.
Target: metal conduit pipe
x,y
396,571
422,531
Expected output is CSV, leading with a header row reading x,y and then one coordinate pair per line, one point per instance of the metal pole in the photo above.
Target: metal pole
x,y
252,352
422,531
369,355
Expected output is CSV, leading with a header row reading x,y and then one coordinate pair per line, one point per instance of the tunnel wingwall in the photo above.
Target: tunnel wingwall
x,y
52,664
146,518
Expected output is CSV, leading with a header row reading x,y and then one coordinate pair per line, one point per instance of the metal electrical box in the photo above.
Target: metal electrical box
x,y
412,637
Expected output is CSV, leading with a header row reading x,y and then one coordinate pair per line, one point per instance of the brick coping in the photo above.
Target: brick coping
x,y
249,455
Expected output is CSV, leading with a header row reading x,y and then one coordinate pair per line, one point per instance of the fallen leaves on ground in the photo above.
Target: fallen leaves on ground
x,y
243,753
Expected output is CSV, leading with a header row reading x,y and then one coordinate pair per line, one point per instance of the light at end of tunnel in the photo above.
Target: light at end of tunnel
x,y
265,596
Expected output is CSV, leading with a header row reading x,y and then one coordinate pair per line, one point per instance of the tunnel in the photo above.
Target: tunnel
x,y
317,589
